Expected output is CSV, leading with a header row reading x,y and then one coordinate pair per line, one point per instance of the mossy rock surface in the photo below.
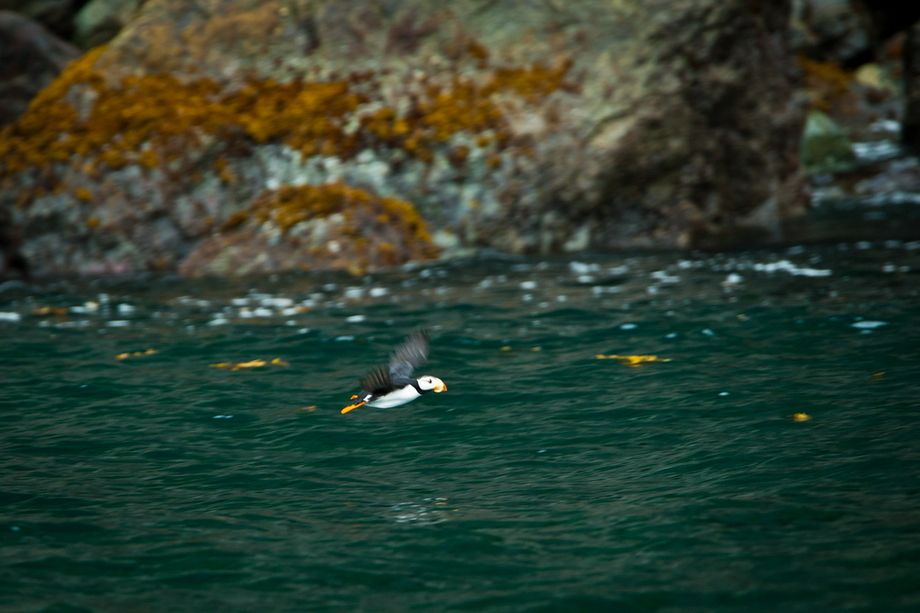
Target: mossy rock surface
x,y
524,127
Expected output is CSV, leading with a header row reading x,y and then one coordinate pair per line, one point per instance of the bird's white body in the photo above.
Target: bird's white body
x,y
395,398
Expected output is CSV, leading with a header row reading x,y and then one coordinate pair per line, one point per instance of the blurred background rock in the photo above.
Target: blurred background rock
x,y
183,138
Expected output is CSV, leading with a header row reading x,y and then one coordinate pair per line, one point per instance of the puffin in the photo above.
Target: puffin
x,y
385,387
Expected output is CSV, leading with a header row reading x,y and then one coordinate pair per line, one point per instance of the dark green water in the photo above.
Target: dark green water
x,y
544,480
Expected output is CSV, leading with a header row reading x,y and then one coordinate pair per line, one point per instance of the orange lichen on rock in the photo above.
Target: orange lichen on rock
x,y
148,119
532,83
120,125
828,85
331,226
36,137
305,115
291,205
154,119
189,129
465,106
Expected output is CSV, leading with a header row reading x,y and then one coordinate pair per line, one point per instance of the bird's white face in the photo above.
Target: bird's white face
x,y
432,383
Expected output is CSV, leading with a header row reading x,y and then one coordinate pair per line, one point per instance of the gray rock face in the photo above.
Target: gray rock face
x,y
832,30
30,58
525,127
55,15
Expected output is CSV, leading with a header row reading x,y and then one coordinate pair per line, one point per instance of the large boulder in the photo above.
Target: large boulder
x,y
529,128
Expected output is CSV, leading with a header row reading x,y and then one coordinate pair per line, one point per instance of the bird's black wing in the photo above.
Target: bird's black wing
x,y
378,381
408,356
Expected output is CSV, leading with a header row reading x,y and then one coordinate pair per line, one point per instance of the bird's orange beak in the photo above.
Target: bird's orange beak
x,y
440,387
352,407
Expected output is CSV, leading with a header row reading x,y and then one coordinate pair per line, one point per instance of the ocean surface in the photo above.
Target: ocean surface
x,y
177,446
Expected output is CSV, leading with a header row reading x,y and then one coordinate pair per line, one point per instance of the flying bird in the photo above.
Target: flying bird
x,y
392,385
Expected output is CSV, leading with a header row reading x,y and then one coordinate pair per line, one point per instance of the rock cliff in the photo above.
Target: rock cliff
x,y
346,133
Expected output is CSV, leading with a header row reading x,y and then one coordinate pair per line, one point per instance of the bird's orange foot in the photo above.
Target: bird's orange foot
x,y
352,407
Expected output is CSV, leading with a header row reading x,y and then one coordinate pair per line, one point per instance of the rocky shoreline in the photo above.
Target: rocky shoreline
x,y
241,137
